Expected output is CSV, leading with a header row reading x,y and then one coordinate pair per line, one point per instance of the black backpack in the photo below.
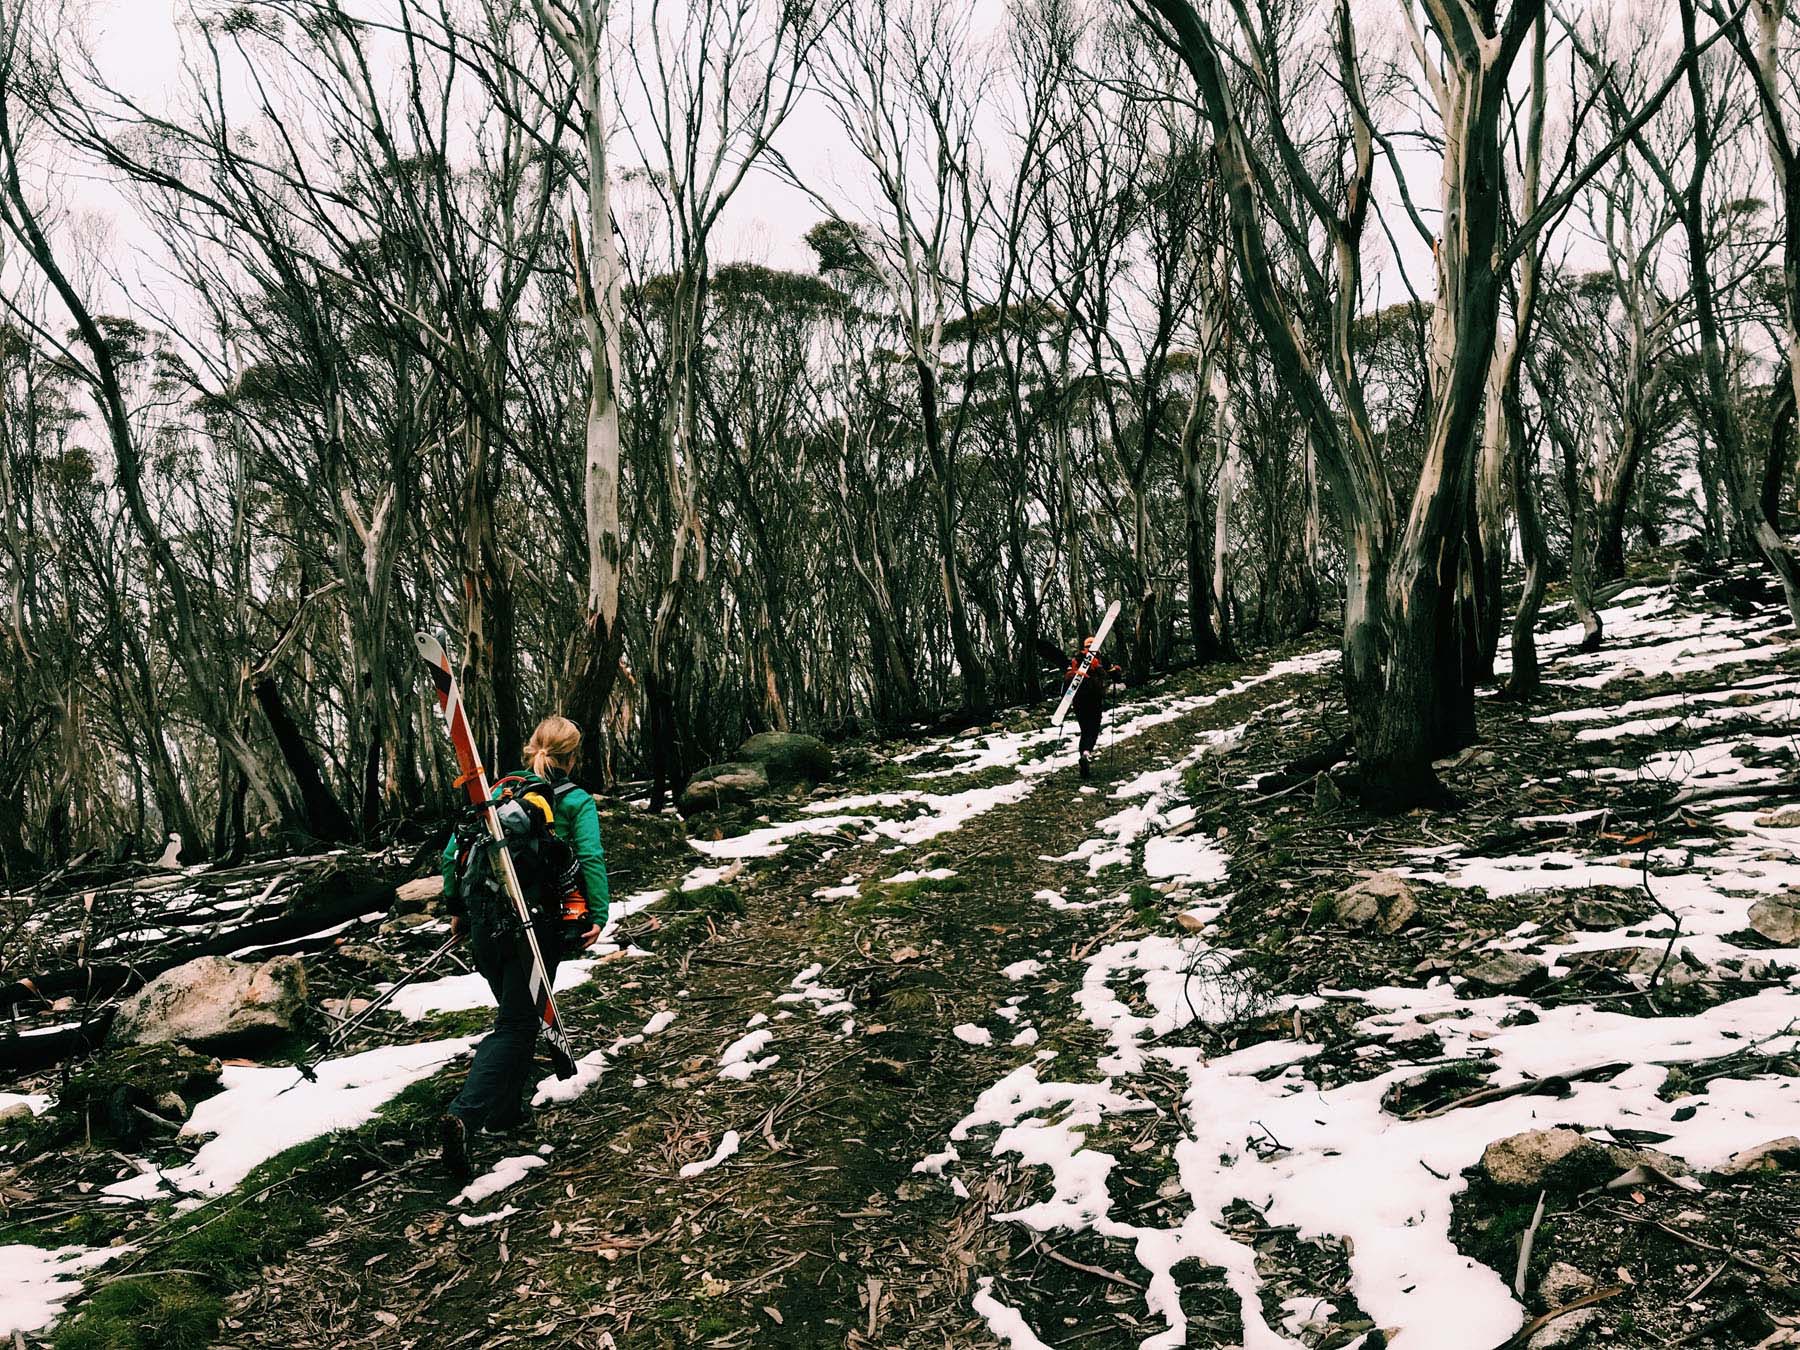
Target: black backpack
x,y
546,866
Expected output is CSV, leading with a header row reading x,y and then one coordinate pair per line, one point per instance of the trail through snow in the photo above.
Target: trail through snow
x,y
1345,1166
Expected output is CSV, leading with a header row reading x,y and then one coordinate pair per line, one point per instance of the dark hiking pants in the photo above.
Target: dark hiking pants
x,y
1089,719
494,1095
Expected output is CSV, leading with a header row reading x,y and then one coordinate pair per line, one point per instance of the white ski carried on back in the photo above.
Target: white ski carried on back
x,y
1081,672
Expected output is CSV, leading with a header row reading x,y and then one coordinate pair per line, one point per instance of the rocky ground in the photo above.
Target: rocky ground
x,y
957,1050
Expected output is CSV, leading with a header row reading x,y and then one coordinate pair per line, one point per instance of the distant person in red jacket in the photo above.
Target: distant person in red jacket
x,y
1090,700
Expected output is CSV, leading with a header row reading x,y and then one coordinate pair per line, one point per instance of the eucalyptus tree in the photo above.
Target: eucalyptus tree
x,y
31,79
709,85
1708,204
904,81
1407,667
1770,54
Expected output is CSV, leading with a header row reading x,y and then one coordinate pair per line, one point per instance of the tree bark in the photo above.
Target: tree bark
x,y
322,814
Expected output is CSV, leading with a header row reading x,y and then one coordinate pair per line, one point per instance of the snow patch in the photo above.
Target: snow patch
x,y
262,1111
35,1282
506,1173
728,1145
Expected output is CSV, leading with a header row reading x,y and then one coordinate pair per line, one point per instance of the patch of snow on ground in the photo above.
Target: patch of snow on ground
x,y
738,1059
935,874
771,839
589,1070
506,1173
1189,857
262,1111
481,1220
38,1102
457,993
35,1282
1007,1324
970,1034
728,1145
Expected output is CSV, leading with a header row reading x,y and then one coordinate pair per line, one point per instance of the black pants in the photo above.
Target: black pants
x,y
494,1094
1089,720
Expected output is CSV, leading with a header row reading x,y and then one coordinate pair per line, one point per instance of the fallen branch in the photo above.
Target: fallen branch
x,y
1529,1087
1531,1328
1525,1241
1045,1249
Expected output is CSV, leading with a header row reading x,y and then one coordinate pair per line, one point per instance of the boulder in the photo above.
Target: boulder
x,y
723,785
415,897
1778,919
1641,961
215,1003
1777,1155
788,756
1506,973
1556,1159
1787,818
1386,902
16,1111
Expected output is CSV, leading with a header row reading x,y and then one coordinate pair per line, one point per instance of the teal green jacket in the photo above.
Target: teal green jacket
x,y
578,826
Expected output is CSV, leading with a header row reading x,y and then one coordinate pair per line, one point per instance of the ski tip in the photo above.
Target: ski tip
x,y
429,647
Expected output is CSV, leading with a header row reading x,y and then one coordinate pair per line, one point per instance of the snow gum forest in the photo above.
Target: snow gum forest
x,y
1403,950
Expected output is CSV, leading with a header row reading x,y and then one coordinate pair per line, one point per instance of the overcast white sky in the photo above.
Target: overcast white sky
x,y
139,46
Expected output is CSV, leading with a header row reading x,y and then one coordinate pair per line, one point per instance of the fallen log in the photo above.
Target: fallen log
x,y
32,1050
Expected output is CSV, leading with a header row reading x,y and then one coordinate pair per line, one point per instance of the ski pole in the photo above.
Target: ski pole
x,y
342,1031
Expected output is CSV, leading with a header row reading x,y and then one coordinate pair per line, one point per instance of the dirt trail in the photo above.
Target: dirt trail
x,y
1217,1105
819,1215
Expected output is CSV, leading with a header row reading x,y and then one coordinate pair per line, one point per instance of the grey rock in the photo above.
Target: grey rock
x,y
215,1003
415,897
1506,973
788,756
1776,1155
1566,1332
1386,902
1563,1282
1778,919
723,785
1540,1159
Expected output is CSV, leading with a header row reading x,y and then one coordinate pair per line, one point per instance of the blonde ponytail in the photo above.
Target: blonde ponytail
x,y
553,745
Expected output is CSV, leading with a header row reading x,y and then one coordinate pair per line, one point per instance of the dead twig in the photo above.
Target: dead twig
x,y
1537,1324
1524,1089
1525,1241
1043,1248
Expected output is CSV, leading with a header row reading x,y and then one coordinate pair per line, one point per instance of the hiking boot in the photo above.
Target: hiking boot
x,y
453,1135
522,1121
1087,770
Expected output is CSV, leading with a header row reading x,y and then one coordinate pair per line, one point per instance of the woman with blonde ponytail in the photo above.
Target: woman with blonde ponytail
x,y
493,1098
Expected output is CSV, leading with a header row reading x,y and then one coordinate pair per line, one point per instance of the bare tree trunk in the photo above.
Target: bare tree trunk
x,y
1746,490
476,675
943,477
1612,502
1194,518
1506,416
323,815
599,289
